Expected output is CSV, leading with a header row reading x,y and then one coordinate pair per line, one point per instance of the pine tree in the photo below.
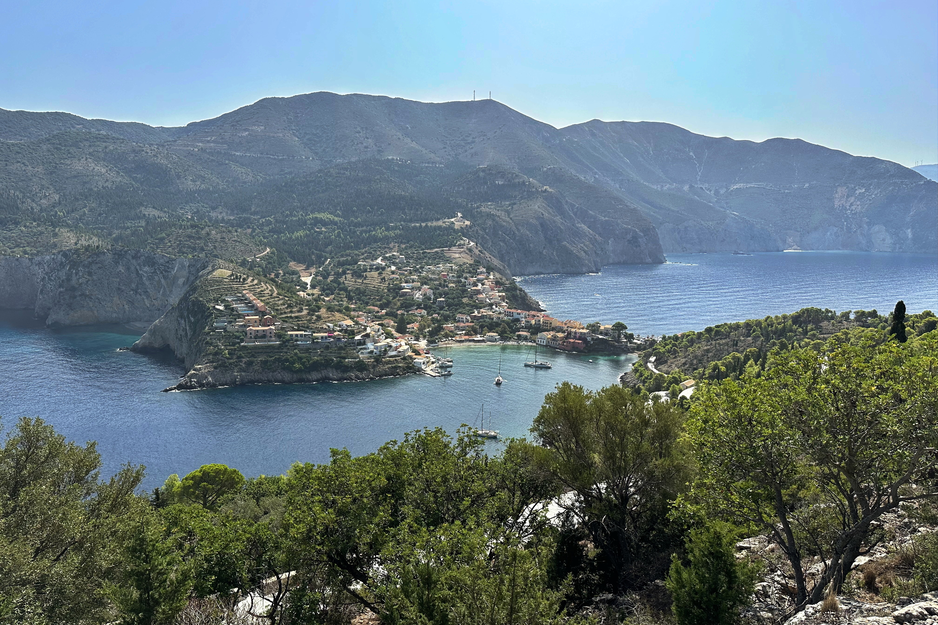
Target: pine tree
x,y
154,587
713,587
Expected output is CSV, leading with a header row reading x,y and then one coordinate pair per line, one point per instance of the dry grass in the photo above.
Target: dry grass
x,y
830,605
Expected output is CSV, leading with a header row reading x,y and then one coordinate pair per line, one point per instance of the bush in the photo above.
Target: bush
x,y
926,562
712,588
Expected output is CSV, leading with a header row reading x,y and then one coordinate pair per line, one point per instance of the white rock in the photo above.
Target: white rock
x,y
916,613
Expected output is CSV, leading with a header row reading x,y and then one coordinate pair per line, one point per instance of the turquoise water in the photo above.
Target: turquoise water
x,y
693,291
79,382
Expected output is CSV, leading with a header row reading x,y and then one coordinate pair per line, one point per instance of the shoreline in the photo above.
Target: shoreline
x,y
623,352
176,387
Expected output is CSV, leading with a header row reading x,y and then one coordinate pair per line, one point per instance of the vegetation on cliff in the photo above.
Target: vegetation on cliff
x,y
730,350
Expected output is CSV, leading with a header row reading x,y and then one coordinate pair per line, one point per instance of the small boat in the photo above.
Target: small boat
x,y
445,373
482,432
538,364
498,378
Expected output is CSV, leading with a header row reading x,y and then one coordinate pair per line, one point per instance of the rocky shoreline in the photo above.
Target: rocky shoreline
x,y
201,377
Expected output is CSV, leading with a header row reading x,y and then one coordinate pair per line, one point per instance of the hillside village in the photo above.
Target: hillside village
x,y
386,307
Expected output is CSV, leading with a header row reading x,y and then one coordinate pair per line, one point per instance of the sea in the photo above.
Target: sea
x,y
77,379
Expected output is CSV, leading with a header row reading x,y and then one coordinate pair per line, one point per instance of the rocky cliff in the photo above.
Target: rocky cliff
x,y
82,288
181,329
550,222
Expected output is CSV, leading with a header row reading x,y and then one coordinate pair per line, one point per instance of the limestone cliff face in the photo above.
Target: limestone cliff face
x,y
180,329
545,244
555,223
20,280
80,288
734,233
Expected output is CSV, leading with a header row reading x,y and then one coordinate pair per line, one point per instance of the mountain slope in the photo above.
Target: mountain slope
x,y
583,195
781,192
929,171
29,126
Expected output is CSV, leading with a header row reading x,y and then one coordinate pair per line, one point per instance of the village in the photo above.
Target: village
x,y
388,308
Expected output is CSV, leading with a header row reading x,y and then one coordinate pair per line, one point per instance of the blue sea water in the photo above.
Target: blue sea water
x,y
76,379
693,291
79,382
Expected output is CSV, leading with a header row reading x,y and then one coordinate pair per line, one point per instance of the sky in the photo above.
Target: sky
x,y
858,75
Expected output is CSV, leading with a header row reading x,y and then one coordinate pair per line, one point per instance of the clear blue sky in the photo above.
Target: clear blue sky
x,y
857,75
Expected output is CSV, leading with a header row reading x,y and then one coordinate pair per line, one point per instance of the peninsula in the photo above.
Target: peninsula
x,y
305,238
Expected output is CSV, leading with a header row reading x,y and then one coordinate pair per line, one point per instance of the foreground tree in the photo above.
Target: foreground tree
x,y
624,461
59,526
428,530
820,447
153,584
209,483
714,585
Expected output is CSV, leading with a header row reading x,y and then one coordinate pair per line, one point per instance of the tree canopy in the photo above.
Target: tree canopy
x,y
624,460
816,450
59,526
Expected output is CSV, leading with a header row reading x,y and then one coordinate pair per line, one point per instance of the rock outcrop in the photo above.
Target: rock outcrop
x,y
181,329
204,376
921,610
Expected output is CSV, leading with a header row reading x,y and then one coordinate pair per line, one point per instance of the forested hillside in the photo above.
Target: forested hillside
x,y
314,174
731,350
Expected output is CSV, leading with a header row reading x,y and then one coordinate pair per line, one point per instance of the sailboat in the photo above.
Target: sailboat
x,y
498,378
538,364
482,432
444,361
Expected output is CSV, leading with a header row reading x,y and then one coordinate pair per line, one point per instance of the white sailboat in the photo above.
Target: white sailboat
x,y
498,378
538,364
482,432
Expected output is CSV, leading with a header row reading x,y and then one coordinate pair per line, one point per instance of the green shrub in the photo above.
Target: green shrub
x,y
926,562
714,585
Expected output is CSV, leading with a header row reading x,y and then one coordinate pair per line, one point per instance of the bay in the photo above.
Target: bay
x,y
693,291
76,379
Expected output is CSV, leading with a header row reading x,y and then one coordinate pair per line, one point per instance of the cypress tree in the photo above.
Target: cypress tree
x,y
898,322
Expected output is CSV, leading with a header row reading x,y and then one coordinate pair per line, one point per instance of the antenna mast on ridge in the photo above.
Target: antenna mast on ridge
x,y
473,95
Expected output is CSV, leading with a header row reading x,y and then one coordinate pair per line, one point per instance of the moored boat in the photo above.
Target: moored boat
x,y
538,364
481,432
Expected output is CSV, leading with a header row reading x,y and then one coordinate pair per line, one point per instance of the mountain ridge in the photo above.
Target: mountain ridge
x,y
698,193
